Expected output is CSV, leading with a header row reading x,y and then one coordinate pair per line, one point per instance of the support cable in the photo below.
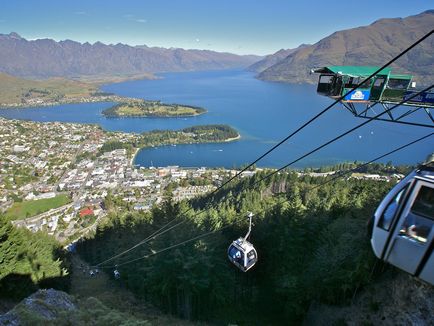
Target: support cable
x,y
275,171
160,231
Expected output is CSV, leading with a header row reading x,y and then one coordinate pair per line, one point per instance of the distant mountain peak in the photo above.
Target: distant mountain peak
x,y
274,58
281,51
15,35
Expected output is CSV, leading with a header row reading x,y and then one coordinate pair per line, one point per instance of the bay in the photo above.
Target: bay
x,y
263,113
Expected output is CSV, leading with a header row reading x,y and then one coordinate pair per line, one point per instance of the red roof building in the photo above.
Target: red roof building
x,y
86,211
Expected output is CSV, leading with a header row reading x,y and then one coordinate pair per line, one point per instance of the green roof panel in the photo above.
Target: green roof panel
x,y
401,76
357,71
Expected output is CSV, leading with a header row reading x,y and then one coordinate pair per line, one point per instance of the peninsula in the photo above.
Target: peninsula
x,y
144,108
22,93
214,133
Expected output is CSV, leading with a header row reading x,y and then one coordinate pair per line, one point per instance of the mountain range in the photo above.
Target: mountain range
x,y
44,58
369,45
372,45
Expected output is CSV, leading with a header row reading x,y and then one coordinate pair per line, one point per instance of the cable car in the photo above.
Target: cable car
x,y
241,252
335,81
116,273
383,91
402,226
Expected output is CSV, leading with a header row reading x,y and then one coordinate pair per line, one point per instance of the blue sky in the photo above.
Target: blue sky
x,y
237,26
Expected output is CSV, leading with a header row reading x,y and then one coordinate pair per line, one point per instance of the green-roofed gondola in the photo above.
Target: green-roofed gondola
x,y
384,87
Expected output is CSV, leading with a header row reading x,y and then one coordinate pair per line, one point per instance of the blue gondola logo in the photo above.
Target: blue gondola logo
x,y
358,95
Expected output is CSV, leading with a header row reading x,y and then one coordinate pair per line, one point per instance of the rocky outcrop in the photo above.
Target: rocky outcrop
x,y
44,305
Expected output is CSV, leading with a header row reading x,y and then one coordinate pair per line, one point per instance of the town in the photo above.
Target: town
x,y
60,178
26,102
55,178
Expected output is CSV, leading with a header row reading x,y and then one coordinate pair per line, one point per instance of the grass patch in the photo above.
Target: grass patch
x,y
33,207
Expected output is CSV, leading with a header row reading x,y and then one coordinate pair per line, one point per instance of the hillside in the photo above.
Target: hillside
x,y
369,45
385,302
19,90
312,246
316,265
44,58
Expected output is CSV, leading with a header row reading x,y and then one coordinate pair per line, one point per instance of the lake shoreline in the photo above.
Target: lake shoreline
x,y
233,138
133,157
84,100
155,116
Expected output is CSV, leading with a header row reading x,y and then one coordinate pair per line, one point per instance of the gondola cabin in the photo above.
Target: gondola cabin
x,y
403,231
242,254
359,95
336,81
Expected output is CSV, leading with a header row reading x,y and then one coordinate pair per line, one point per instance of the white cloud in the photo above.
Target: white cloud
x,y
81,13
197,40
131,17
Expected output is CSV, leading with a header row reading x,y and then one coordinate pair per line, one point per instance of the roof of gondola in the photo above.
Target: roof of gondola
x,y
357,71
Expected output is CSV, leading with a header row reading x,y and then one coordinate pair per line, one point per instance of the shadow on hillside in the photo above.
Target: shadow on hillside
x,y
18,286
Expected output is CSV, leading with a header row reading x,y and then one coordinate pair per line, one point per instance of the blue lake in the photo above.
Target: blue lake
x,y
264,113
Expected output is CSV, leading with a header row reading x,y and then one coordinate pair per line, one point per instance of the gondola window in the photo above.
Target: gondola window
x,y
424,203
418,223
390,211
398,83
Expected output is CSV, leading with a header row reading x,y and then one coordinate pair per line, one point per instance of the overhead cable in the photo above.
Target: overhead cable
x,y
162,229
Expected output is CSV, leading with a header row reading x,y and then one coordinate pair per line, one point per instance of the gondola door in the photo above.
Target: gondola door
x,y
412,244
377,88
